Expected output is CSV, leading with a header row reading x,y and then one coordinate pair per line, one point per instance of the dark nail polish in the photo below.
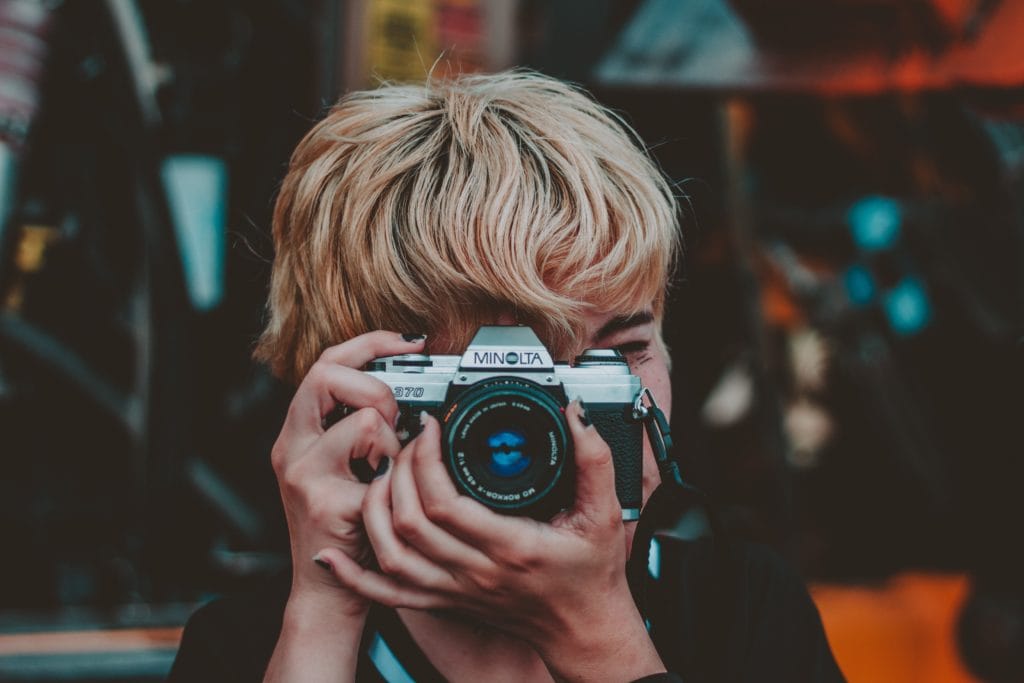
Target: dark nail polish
x,y
413,336
382,468
322,563
584,420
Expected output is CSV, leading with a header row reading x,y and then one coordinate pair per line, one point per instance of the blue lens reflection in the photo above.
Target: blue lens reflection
x,y
507,457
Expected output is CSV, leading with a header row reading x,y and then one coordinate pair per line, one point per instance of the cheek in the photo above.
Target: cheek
x,y
651,476
655,376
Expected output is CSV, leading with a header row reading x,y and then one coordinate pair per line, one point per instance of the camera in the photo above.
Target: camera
x,y
501,406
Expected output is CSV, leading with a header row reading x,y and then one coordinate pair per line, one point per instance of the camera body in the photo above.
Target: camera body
x,y
501,406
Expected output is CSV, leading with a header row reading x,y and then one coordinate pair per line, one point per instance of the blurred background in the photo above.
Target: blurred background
x,y
847,333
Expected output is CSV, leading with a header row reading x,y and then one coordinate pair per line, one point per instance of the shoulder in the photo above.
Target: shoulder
x,y
232,638
738,612
753,579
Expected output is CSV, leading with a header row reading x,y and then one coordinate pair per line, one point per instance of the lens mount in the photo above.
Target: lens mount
x,y
508,447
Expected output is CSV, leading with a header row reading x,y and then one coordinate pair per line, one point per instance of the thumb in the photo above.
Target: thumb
x,y
595,471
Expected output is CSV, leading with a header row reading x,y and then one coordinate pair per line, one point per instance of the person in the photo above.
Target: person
x,y
409,217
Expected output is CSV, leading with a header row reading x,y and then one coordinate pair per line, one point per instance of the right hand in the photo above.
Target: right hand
x,y
322,496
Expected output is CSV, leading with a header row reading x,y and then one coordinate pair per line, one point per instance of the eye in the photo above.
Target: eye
x,y
633,347
636,352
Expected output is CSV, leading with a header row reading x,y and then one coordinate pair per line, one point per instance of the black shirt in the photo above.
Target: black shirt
x,y
741,615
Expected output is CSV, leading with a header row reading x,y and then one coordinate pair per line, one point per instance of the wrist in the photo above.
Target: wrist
x,y
317,618
316,602
319,639
316,592
611,646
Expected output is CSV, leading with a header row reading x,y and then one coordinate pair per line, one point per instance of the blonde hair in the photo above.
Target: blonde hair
x,y
433,208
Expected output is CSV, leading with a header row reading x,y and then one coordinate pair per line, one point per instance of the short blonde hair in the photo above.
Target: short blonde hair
x,y
433,208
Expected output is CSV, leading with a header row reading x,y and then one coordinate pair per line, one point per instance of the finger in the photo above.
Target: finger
x,y
414,525
358,351
328,465
394,557
493,535
364,435
336,379
327,385
595,470
378,587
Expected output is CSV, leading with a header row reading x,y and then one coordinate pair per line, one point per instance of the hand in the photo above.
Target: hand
x,y
559,586
321,495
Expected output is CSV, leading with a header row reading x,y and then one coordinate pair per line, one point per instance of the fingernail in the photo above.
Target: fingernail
x,y
413,337
584,420
322,563
423,418
382,467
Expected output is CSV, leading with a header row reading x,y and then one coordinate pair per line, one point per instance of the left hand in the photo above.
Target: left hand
x,y
560,586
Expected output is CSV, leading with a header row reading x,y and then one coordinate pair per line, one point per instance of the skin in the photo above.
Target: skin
x,y
535,601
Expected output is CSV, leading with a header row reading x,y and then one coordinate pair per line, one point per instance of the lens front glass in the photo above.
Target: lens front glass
x,y
508,453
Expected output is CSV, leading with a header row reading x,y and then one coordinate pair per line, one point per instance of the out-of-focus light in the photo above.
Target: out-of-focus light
x,y
654,559
907,307
197,188
860,285
875,223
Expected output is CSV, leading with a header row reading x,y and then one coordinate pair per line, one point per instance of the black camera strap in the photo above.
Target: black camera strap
x,y
672,501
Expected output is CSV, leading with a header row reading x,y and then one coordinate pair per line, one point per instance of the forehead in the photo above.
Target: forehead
x,y
596,326
603,325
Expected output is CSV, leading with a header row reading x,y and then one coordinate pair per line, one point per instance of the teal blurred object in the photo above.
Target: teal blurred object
x,y
197,189
7,184
860,285
907,306
875,223
654,559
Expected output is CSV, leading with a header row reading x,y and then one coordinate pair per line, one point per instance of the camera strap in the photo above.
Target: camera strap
x,y
675,502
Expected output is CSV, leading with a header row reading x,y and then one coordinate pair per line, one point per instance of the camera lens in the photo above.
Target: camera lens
x,y
508,455
508,447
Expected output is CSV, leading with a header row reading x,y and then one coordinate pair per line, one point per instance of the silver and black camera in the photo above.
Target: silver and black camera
x,y
501,406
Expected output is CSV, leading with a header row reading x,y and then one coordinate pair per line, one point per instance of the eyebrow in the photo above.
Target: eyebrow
x,y
624,322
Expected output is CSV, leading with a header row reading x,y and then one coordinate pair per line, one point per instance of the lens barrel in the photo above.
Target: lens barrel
x,y
507,445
